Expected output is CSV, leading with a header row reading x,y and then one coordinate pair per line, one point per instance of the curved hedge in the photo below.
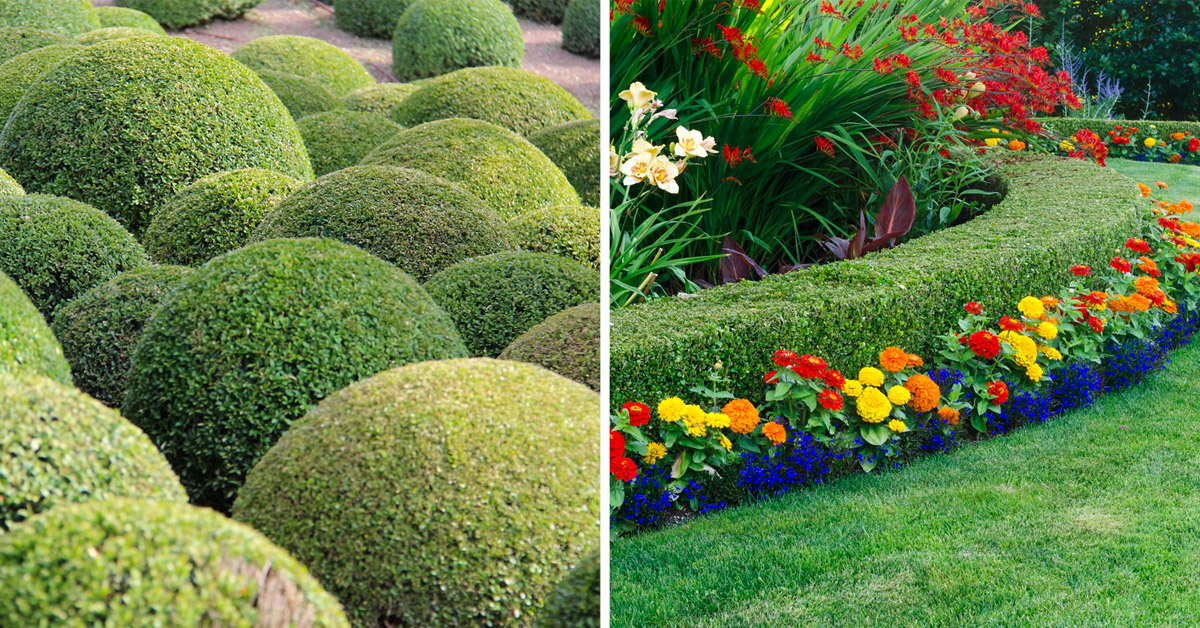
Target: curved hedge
x,y
106,126
321,62
418,222
581,28
69,17
340,139
26,343
23,71
379,99
1058,212
59,446
56,248
515,99
100,328
369,18
575,148
15,40
575,602
102,35
257,336
434,37
474,491
132,18
9,185
302,96
542,11
215,214
508,173
132,562
494,299
567,343
571,231
180,14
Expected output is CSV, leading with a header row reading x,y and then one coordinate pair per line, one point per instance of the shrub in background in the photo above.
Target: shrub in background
x,y
543,11
132,18
567,343
102,35
581,28
571,231
378,98
369,18
434,37
69,17
321,62
177,15
302,96
340,139
26,343
15,40
9,185
575,602
575,148
23,71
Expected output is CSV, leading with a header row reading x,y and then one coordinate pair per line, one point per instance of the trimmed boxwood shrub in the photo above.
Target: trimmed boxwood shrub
x,y
575,602
215,214
379,98
101,35
418,222
567,343
106,126
542,11
575,148
26,344
23,71
318,61
514,99
473,492
180,14
255,337
99,329
301,96
581,28
1058,212
9,185
15,40
56,248
369,18
571,231
494,299
132,18
59,446
340,139
508,173
69,17
1068,126
126,562
434,37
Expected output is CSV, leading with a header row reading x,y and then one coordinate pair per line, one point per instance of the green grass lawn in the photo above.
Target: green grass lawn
x,y
1184,181
1090,520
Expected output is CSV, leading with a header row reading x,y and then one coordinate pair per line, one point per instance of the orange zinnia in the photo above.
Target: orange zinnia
x,y
925,393
893,359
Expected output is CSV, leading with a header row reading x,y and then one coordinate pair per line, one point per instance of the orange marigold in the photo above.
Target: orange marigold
x,y
775,433
1190,228
1169,306
925,393
1049,303
743,416
1185,207
1120,303
948,415
1140,302
893,359
1146,285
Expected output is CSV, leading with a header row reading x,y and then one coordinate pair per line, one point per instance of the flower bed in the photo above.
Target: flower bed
x,y
1140,140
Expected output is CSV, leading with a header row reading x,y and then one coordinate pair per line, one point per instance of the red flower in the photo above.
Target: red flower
x,y
1137,244
625,469
854,53
1011,324
771,377
639,413
973,307
827,8
825,146
1120,265
785,358
1096,323
998,391
616,444
834,379
777,107
985,344
1081,270
1190,261
809,367
815,58
642,25
830,400
883,67
1193,145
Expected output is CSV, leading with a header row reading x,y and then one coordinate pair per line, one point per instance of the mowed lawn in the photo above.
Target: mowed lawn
x,y
1092,519
1183,181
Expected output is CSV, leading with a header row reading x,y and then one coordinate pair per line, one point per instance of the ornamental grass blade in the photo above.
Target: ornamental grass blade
x,y
899,211
736,265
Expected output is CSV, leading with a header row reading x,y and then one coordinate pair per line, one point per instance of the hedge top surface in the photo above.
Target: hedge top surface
x,y
120,16
311,58
23,71
567,343
15,40
107,125
433,37
456,521
181,565
379,98
69,17
369,18
179,14
1024,245
26,343
340,139
575,148
110,33
515,99
502,168
575,602
9,185
571,231
301,95
60,446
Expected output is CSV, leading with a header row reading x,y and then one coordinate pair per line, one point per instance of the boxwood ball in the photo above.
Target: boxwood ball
x,y
571,231
473,485
434,37
575,148
575,602
92,38
15,40
23,71
69,17
321,62
340,139
180,14
26,343
120,16
581,28
378,98
567,343
301,95
369,18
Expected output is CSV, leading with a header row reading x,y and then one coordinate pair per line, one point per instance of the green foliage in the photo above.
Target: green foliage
x,y
571,231
15,40
60,446
102,35
378,98
132,18
434,37
543,11
109,126
507,172
301,96
340,139
174,565
473,491
256,337
567,343
56,248
23,71
575,148
418,222
214,215
1066,127
100,328
575,602
496,298
581,28
9,185
180,14
68,17
26,344
515,99
369,18
649,253
321,62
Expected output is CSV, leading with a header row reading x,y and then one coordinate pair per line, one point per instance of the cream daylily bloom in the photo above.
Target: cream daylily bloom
x,y
663,172
642,147
614,161
691,143
638,96
637,168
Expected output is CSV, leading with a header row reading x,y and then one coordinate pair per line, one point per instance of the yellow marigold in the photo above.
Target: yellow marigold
x,y
1032,308
775,433
743,416
725,443
1050,352
1047,330
898,426
1149,142
1190,228
948,415
1025,347
852,388
873,406
870,376
654,453
1140,302
1145,189
899,395
696,420
1146,285
1034,372
716,420
925,393
1024,359
671,410
893,359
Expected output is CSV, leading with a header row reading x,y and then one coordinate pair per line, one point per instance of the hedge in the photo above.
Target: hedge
x,y
132,18
9,185
321,62
23,71
180,14
434,37
1066,127
369,18
581,28
567,343
575,148
26,343
575,602
1058,212
340,139
379,98
542,11
69,17
566,230
15,40
102,35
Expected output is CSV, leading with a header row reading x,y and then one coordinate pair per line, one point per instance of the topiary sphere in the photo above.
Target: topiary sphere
x,y
581,28
301,96
434,37
125,124
473,485
418,222
26,344
508,173
19,40
99,329
496,298
9,185
101,35
134,562
514,99
56,248
180,14
369,18
575,602
541,11
571,231
119,16
256,337
60,446
215,214
321,62
567,343
23,71
69,17
378,98
340,139
575,148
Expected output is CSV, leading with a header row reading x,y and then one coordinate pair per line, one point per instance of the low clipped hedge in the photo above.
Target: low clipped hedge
x,y
473,486
69,17
434,37
542,11
567,343
369,18
59,446
340,139
102,35
15,40
1066,127
215,214
496,298
133,562
9,185
379,98
517,100
581,28
575,602
321,62
1057,212
256,337
56,248
180,14
302,96
100,328
575,148
131,18
23,71
418,222
571,231
26,343
508,173
105,126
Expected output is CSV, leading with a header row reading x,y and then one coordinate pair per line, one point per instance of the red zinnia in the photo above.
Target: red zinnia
x,y
985,344
1097,324
771,377
616,444
1081,270
973,307
1121,265
625,469
810,367
1136,244
998,391
1189,260
783,357
639,413
1193,145
834,379
830,400
1011,324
